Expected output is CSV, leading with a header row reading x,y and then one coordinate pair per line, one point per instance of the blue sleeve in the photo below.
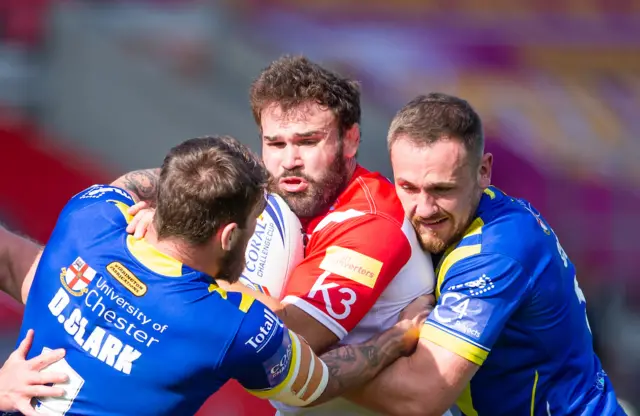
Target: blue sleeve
x,y
261,357
478,295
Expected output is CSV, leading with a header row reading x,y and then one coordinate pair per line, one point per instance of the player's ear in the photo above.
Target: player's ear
x,y
484,170
229,235
351,141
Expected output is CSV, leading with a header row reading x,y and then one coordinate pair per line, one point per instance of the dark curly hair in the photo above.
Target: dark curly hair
x,y
293,80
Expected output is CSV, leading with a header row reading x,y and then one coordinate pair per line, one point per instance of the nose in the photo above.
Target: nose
x,y
426,206
291,158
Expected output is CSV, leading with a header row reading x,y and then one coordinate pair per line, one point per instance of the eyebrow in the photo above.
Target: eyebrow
x,y
430,185
447,185
305,134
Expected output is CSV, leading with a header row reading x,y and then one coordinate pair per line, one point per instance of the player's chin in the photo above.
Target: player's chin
x,y
432,243
292,198
304,205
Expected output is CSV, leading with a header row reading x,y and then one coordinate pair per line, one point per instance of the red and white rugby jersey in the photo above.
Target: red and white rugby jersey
x,y
363,263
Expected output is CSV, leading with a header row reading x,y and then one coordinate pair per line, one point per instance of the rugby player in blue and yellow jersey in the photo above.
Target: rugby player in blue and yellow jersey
x,y
146,328
509,335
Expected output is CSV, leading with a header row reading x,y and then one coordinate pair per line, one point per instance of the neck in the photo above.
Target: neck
x,y
195,257
475,205
351,168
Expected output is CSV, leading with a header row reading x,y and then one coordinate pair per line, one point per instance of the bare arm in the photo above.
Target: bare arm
x,y
19,259
351,366
425,383
319,337
141,184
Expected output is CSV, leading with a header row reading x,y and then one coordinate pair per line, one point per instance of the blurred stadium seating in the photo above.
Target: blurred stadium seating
x,y
114,84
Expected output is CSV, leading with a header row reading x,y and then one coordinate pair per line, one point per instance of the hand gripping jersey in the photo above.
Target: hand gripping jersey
x,y
145,334
362,266
509,301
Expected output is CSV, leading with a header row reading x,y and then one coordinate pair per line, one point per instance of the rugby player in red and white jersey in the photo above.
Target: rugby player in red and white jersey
x,y
363,263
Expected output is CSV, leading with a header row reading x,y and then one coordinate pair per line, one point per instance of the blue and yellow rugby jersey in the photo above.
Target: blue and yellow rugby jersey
x,y
509,301
144,334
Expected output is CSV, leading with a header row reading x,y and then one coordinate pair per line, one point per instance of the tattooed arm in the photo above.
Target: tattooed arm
x,y
426,383
300,378
351,366
142,184
281,366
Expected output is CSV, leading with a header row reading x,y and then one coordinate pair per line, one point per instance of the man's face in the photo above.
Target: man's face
x,y
440,187
304,152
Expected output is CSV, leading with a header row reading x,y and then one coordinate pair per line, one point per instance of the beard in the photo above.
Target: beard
x,y
232,262
436,243
429,240
320,194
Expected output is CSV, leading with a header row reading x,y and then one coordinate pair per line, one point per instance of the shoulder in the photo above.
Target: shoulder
x,y
96,197
514,228
370,202
360,233
95,211
371,193
101,192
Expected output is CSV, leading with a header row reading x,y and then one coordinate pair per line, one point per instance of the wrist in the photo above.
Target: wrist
x,y
405,339
5,403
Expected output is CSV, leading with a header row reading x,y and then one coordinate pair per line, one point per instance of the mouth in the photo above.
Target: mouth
x,y
293,184
434,223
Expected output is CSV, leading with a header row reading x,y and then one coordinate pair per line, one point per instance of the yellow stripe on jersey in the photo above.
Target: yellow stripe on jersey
x,y
490,192
475,228
153,259
454,344
454,254
124,209
246,302
533,393
146,254
465,402
215,288
452,258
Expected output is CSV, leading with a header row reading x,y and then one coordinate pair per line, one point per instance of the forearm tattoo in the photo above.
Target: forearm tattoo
x,y
351,366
